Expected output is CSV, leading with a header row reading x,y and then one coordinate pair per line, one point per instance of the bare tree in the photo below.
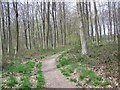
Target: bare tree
x,y
82,33
3,34
25,26
28,25
61,25
110,20
118,39
115,21
96,23
48,21
17,24
9,30
64,22
54,25
91,22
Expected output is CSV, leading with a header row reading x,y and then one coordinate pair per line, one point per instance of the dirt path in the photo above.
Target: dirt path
x,y
53,76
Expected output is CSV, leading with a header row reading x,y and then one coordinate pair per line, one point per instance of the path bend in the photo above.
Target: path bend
x,y
53,76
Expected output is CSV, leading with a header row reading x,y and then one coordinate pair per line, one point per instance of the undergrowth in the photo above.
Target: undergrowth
x,y
72,60
25,71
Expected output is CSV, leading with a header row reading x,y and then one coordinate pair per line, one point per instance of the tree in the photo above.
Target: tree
x,y
43,12
33,25
64,22
115,21
91,22
118,39
87,18
103,21
0,38
3,35
54,25
61,25
28,25
99,25
82,33
48,21
17,24
9,30
96,23
110,20
25,26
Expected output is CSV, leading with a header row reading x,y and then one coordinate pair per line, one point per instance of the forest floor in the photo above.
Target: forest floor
x,y
63,68
53,76
26,70
99,69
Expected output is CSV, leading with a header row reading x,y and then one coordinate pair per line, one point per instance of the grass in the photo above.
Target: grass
x,y
23,65
26,83
63,61
89,74
20,68
11,82
25,72
65,72
39,77
105,54
73,80
48,52
92,78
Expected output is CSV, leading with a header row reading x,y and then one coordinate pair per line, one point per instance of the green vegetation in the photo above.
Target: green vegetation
x,y
64,61
20,68
48,52
73,80
11,82
91,78
72,62
26,83
65,72
29,32
39,77
68,70
25,71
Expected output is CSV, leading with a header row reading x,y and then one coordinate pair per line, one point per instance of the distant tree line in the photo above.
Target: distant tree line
x,y
43,25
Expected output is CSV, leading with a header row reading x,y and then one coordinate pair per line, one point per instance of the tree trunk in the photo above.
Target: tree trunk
x,y
17,24
61,26
64,14
87,18
119,41
48,22
82,33
110,19
4,46
115,21
25,27
96,24
91,22
9,30
100,31
103,21
44,9
28,26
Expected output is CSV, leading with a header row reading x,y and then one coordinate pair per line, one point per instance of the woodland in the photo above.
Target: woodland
x,y
59,44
